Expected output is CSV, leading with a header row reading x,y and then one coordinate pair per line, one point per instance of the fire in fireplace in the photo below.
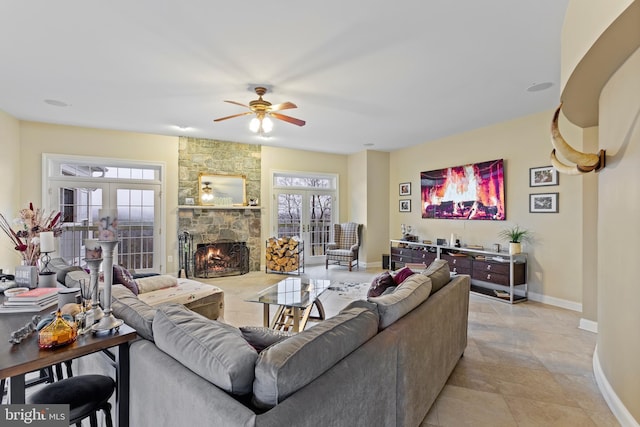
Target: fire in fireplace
x,y
221,258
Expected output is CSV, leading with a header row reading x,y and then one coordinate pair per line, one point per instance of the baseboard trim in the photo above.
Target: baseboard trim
x,y
620,411
558,302
588,325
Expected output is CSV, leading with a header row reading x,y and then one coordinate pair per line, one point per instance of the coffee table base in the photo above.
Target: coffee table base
x,y
293,318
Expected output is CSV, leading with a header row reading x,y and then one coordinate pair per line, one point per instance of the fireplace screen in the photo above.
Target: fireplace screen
x,y
221,259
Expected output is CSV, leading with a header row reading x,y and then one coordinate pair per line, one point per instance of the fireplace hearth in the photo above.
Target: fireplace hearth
x,y
221,258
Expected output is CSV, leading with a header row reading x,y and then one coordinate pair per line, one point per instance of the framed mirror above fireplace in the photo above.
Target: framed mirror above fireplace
x,y
222,189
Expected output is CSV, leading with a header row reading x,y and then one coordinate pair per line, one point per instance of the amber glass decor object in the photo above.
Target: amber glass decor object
x,y
57,333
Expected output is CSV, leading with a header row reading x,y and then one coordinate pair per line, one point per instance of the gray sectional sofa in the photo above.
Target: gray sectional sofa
x,y
380,362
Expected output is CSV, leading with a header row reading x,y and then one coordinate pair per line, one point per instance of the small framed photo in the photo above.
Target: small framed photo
x,y
543,203
543,176
405,189
405,205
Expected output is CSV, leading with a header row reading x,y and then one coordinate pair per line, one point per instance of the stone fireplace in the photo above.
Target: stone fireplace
x,y
212,224
217,259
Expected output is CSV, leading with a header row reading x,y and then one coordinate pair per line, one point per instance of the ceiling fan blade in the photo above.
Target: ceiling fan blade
x,y
289,119
231,117
237,103
283,106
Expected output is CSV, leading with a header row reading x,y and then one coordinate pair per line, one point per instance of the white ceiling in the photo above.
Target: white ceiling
x,y
390,74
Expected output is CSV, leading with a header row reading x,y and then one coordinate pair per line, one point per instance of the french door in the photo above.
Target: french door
x,y
307,214
138,206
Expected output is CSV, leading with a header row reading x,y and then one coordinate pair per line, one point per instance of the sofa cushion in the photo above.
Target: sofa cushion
x,y
121,276
402,274
214,350
413,291
135,313
439,273
293,363
260,337
153,283
379,283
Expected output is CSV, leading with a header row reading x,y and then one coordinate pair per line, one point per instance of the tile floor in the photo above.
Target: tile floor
x,y
525,365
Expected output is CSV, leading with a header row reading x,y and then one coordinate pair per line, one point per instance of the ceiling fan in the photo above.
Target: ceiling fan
x,y
263,110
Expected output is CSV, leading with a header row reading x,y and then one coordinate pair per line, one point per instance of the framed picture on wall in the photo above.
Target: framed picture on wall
x,y
405,189
543,176
543,203
405,205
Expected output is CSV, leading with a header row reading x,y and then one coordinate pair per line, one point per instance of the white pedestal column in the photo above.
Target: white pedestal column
x,y
107,322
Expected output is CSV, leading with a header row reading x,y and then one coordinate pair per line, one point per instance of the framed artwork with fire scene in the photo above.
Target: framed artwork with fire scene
x,y
474,192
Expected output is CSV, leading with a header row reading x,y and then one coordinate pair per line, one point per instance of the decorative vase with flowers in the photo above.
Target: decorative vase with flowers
x,y
26,237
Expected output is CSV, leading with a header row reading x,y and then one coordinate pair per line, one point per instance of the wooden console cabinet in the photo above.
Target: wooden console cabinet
x,y
492,273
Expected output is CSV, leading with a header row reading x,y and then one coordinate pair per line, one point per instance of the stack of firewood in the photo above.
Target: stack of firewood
x,y
283,254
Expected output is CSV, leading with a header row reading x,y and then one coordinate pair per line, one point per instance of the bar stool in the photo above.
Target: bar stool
x,y
85,395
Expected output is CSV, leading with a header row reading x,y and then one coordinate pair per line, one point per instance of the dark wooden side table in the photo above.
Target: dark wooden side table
x,y
16,360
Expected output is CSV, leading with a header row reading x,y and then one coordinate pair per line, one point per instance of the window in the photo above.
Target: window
x,y
79,187
304,206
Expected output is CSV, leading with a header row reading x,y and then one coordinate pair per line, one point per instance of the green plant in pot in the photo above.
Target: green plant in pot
x,y
515,236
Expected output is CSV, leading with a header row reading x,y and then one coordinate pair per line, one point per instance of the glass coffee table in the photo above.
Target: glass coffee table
x,y
295,298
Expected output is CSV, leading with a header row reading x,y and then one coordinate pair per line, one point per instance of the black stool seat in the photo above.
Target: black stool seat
x,y
85,395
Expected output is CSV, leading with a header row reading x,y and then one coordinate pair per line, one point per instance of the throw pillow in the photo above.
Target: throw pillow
x,y
380,283
153,283
402,274
413,292
439,274
214,350
121,276
260,337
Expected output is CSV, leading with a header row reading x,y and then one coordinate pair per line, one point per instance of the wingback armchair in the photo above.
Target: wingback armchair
x,y
345,246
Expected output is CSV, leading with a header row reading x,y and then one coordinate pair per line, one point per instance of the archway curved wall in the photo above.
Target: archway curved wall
x,y
584,23
618,105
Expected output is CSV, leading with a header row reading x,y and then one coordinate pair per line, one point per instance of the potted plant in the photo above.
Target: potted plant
x,y
515,236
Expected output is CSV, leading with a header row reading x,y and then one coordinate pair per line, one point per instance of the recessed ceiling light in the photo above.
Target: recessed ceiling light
x,y
182,128
56,103
369,144
537,87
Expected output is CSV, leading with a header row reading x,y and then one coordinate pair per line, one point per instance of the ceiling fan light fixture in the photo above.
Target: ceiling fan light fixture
x,y
254,124
267,125
261,125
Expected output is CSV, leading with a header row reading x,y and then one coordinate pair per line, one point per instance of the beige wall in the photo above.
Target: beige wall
x,y
10,188
619,234
584,22
284,159
38,138
377,226
555,258
590,232
368,202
